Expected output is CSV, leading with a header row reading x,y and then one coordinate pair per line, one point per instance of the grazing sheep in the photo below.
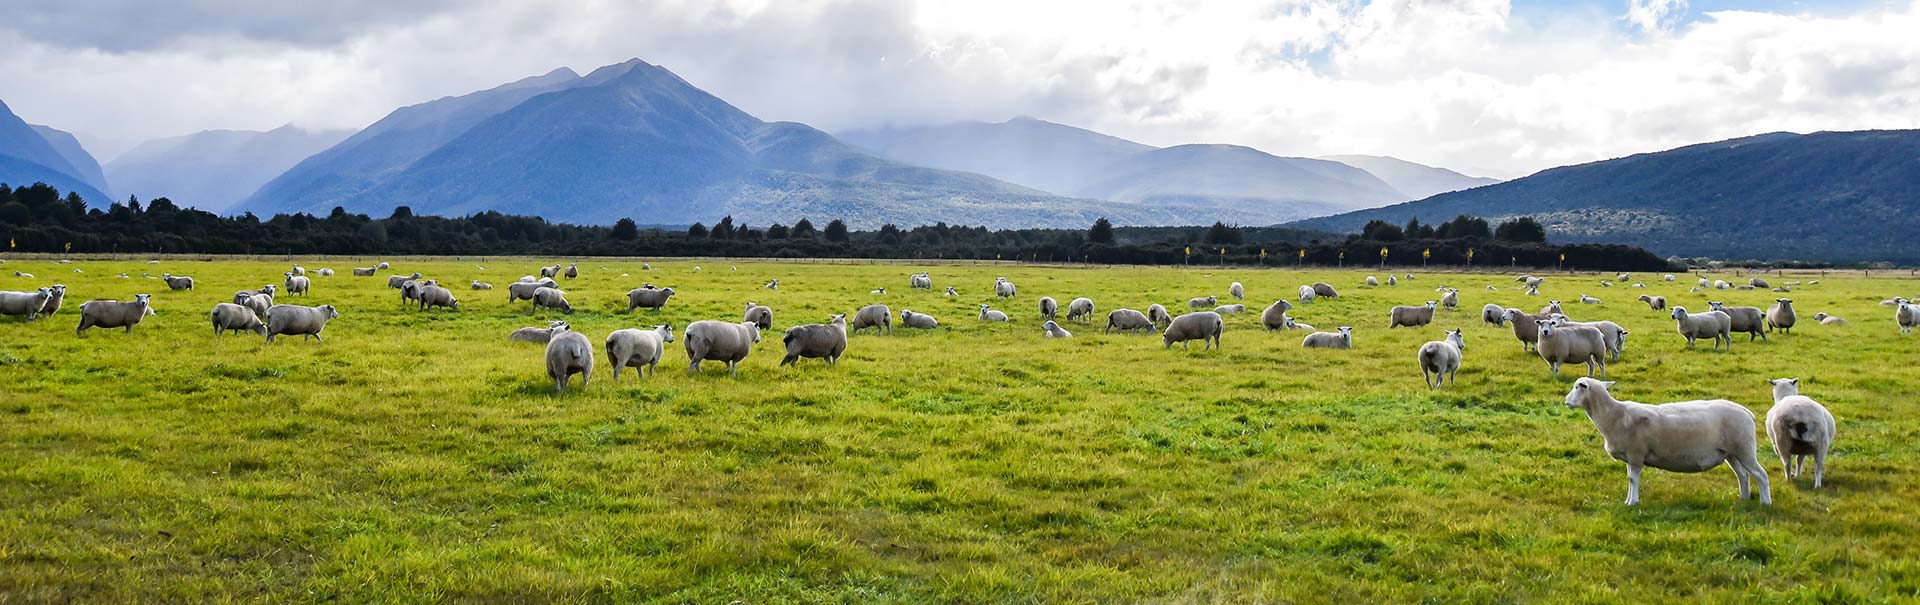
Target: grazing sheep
x,y
1749,320
1682,437
760,315
229,316
1781,317
1828,320
1758,283
1907,316
258,302
1053,330
638,349
1494,315
920,280
177,282
1275,316
436,296
399,281
573,270
1325,290
1236,291
1203,303
25,303
1562,343
987,314
1004,288
325,272
298,284
551,298
1205,326
1526,327
1393,281
951,292
54,302
1307,294
539,335
480,285
569,353
553,271
112,313
294,319
878,317
1233,309
1799,427
1657,303
1127,320
1082,309
1049,310
1330,340
1713,324
1450,300
922,321
1614,336
648,297
819,341
1588,300
1371,281
521,290
410,291
1411,316
364,271
709,339
1159,315
1441,358
383,266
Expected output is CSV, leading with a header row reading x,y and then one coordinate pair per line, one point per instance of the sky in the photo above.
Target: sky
x,y
1490,87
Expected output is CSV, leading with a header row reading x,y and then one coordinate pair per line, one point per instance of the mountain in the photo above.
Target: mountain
x,y
1035,153
27,158
1418,181
634,140
84,166
213,170
1828,196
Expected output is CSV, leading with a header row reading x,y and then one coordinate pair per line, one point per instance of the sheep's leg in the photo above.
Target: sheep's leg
x,y
1819,466
1633,483
1786,461
1740,474
1452,375
1758,474
1425,379
733,369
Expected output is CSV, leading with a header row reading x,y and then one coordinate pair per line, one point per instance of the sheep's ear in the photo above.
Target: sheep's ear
x,y
1794,381
1608,384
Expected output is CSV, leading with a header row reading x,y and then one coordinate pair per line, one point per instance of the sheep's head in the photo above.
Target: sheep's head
x,y
1784,301
755,329
666,332
1585,390
1784,387
330,311
1679,313
1458,339
1347,331
1715,305
1431,305
1546,328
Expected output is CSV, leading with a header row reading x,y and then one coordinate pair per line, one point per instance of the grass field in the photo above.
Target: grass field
x,y
423,457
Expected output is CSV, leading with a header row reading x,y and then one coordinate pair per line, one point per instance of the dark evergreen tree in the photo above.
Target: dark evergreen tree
x,y
1101,233
836,231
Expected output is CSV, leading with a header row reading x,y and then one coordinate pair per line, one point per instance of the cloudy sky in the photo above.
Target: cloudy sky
x,y
1493,87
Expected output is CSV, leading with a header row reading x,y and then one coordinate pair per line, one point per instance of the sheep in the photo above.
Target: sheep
x,y
921,281
1623,277
1758,283
1712,323
1275,316
324,272
112,313
1721,285
1494,315
1743,288
1522,278
1533,283
1799,427
553,271
1441,358
294,319
1048,308
1081,308
229,316
1203,303
1233,309
573,270
539,335
527,279
1159,315
1682,437
1053,330
480,285
1236,291
364,271
987,314
1325,290
1409,277
1588,300
1907,316
646,266
1371,281
1657,303
1553,306
823,341
436,296
383,266
54,302
1127,320
569,353
1205,326
1533,291
177,282
23,274
518,291
298,270
922,321
399,281
1705,283
951,292
1606,284
878,317
1451,300
298,284
1639,284
638,349
772,285
648,297
1004,288
25,303
709,339
1307,294
1781,317
410,291
551,298
1393,281
1296,325
1748,320
1828,320
1526,327
1611,334
759,315
1667,277
878,291
1411,316
1330,340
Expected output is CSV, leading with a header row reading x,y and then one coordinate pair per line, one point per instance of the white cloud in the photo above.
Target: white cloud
x,y
1655,15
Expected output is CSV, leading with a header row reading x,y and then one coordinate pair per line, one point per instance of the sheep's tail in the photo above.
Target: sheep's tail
x,y
1800,430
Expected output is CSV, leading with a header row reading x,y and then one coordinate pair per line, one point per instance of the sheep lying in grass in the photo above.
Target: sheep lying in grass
x,y
1293,324
951,292
878,317
1682,437
1441,358
647,297
1233,309
1781,317
1667,277
1049,310
758,314
1329,340
774,285
719,341
177,282
383,266
1080,309
1053,330
1236,291
1748,320
1158,315
921,321
1205,326
569,353
1494,315
1828,320
877,291
1758,283
1128,320
1799,427
987,314
539,335
25,303
1560,344
1713,324
1275,316
1411,316
111,313
480,285
229,316
1588,300
1203,303
818,341
1657,303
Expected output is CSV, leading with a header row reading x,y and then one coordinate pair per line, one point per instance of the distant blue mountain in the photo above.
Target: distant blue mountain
x,y
26,158
214,169
85,167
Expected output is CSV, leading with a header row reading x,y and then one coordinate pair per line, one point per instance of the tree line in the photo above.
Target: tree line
x,y
38,218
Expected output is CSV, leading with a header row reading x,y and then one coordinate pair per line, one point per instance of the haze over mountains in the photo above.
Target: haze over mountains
x,y
215,169
26,157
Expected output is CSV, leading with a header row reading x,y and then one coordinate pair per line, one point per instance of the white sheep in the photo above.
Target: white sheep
x,y
772,285
58,297
1127,320
709,339
648,297
569,353
1623,277
1393,281
758,314
539,335
878,317
553,271
1553,306
1203,303
1004,288
1828,320
1159,315
922,321
638,349
25,303
1749,320
987,314
112,313
1441,358
1799,427
1450,300
1411,316
1781,317
1758,283
229,316
480,285
1667,277
1526,327
1494,315
1049,310
1081,309
1307,294
551,298
951,292
878,291
820,341
1560,344
1236,291
1275,315
397,281
1682,437
1588,300
325,272
1325,290
1372,281
383,266
1611,334
1293,324
1329,340
1053,330
920,280
307,322
1713,324
177,282
1205,326
258,302
364,271
1233,309
1907,317
573,270
1657,303
298,270
298,284
436,296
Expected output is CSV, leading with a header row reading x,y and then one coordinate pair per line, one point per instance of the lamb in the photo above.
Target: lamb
x,y
551,298
638,349
1683,437
821,341
1828,320
1205,326
177,282
569,353
1371,281
55,301
258,302
1159,315
1233,309
1330,340
922,321
1441,358
1799,427
1451,300
709,339
1588,300
1053,330
1907,316
364,271
648,297
1275,316
1748,320
878,291
1082,309
304,321
1325,290
1203,303
480,285
878,317
399,281
1411,316
1712,323
1781,317
760,315
1127,320
539,335
1494,315
1236,291
1657,303
113,313
298,284
1307,294
1561,343
920,280
25,303
229,316
1526,327
573,270
436,296
1295,325
1048,308
987,314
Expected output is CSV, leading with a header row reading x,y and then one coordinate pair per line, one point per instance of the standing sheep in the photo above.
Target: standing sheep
x,y
638,349
1275,316
539,335
1494,315
820,341
1451,300
1748,320
436,296
298,270
325,272
1236,291
1614,336
177,282
553,271
1325,290
398,281
1781,317
1081,308
1411,316
1391,281
878,317
229,316
1799,427
987,314
298,284
569,353
1682,437
648,297
1306,294
1330,340
1560,344
922,321
1203,303
25,303
364,271
1004,288
58,297
1371,281
1127,320
1907,316
920,281
760,315
573,270
1441,358
1713,324
258,302
721,341
1053,330
1526,327
383,266
304,321
1048,309
1159,315
1657,303
551,298
1205,326
112,313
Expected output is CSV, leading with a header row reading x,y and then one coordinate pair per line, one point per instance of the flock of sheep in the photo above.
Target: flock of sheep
x,y
1691,436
